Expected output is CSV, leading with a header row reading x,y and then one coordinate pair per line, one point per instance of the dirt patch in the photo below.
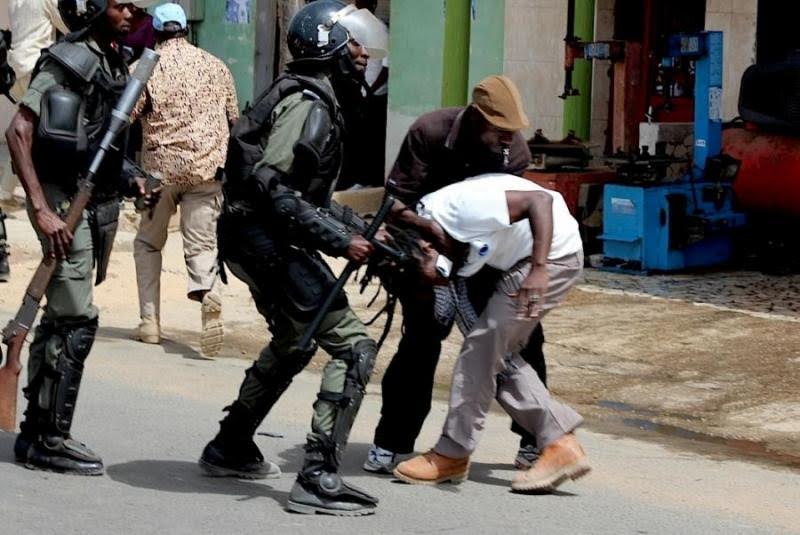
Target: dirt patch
x,y
660,364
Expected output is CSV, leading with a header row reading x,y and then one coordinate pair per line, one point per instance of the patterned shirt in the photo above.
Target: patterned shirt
x,y
186,113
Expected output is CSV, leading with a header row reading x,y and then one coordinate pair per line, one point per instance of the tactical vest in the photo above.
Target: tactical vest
x,y
74,116
246,144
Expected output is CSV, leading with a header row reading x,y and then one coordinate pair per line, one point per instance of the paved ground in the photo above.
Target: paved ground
x,y
149,410
762,295
703,386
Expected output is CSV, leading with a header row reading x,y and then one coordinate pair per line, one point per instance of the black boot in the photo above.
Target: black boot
x,y
27,437
320,489
64,455
44,442
233,453
5,271
39,449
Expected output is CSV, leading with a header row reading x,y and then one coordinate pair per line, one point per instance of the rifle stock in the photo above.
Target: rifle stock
x,y
18,328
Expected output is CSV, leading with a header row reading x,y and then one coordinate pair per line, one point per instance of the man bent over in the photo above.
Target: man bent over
x,y
513,225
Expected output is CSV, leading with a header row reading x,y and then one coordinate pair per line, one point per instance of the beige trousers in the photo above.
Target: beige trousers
x,y
490,366
200,208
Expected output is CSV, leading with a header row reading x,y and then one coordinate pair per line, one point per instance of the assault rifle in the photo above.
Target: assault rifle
x,y
17,329
369,235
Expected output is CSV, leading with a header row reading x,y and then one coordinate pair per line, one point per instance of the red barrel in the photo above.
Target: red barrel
x,y
769,177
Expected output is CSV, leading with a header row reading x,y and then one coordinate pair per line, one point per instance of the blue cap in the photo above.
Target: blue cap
x,y
168,13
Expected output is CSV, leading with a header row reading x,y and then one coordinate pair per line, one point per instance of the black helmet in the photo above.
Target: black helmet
x,y
80,14
314,33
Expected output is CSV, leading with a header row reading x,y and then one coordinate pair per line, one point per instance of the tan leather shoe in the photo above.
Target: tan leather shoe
x,y
431,468
561,460
149,330
213,329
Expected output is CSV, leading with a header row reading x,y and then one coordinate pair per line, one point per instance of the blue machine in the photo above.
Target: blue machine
x,y
688,223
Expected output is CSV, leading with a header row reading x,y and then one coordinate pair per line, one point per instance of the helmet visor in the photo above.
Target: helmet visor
x,y
368,30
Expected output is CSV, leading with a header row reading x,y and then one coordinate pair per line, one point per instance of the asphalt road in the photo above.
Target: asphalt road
x,y
149,411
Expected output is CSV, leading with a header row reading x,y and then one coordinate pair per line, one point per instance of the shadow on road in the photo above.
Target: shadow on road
x,y
185,477
482,473
167,344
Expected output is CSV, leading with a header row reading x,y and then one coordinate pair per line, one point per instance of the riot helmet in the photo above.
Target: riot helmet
x,y
80,14
318,35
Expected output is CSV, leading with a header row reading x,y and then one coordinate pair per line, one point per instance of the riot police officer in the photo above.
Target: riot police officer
x,y
52,139
283,160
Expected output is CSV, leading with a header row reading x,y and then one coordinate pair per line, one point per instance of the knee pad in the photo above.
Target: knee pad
x,y
362,358
358,364
65,354
79,340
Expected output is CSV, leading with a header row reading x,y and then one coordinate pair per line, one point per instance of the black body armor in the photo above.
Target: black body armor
x,y
74,116
313,180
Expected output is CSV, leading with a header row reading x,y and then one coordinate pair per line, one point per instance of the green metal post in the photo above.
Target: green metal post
x,y
578,110
455,74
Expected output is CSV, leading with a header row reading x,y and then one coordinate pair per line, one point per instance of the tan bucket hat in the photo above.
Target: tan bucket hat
x,y
498,100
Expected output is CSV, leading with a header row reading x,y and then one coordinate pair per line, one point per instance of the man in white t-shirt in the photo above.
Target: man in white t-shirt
x,y
527,232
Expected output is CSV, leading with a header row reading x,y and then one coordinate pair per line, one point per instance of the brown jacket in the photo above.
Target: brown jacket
x,y
432,156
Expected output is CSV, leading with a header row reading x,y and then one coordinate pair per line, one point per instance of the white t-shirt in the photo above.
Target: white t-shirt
x,y
475,211
33,25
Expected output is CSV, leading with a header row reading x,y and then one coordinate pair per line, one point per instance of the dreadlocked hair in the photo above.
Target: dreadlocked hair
x,y
397,271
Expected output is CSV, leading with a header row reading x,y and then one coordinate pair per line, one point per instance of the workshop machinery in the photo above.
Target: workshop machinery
x,y
650,224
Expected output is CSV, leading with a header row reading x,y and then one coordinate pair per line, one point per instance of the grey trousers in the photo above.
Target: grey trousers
x,y
200,207
490,366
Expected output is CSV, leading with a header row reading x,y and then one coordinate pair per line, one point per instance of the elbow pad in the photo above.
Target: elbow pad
x,y
313,225
310,146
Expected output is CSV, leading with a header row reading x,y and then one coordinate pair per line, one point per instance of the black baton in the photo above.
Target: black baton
x,y
351,266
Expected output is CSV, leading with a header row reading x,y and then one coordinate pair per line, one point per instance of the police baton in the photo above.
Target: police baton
x,y
369,235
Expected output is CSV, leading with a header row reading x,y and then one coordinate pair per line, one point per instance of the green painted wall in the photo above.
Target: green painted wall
x,y
487,37
416,52
455,75
232,43
440,49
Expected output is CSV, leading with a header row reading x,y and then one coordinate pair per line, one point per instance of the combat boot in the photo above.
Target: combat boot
x,y
65,455
232,453
53,452
321,490
28,436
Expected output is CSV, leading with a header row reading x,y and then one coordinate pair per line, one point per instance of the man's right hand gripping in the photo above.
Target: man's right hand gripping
x,y
359,249
55,229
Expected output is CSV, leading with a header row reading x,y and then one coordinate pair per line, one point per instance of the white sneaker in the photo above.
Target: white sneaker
x,y
380,461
